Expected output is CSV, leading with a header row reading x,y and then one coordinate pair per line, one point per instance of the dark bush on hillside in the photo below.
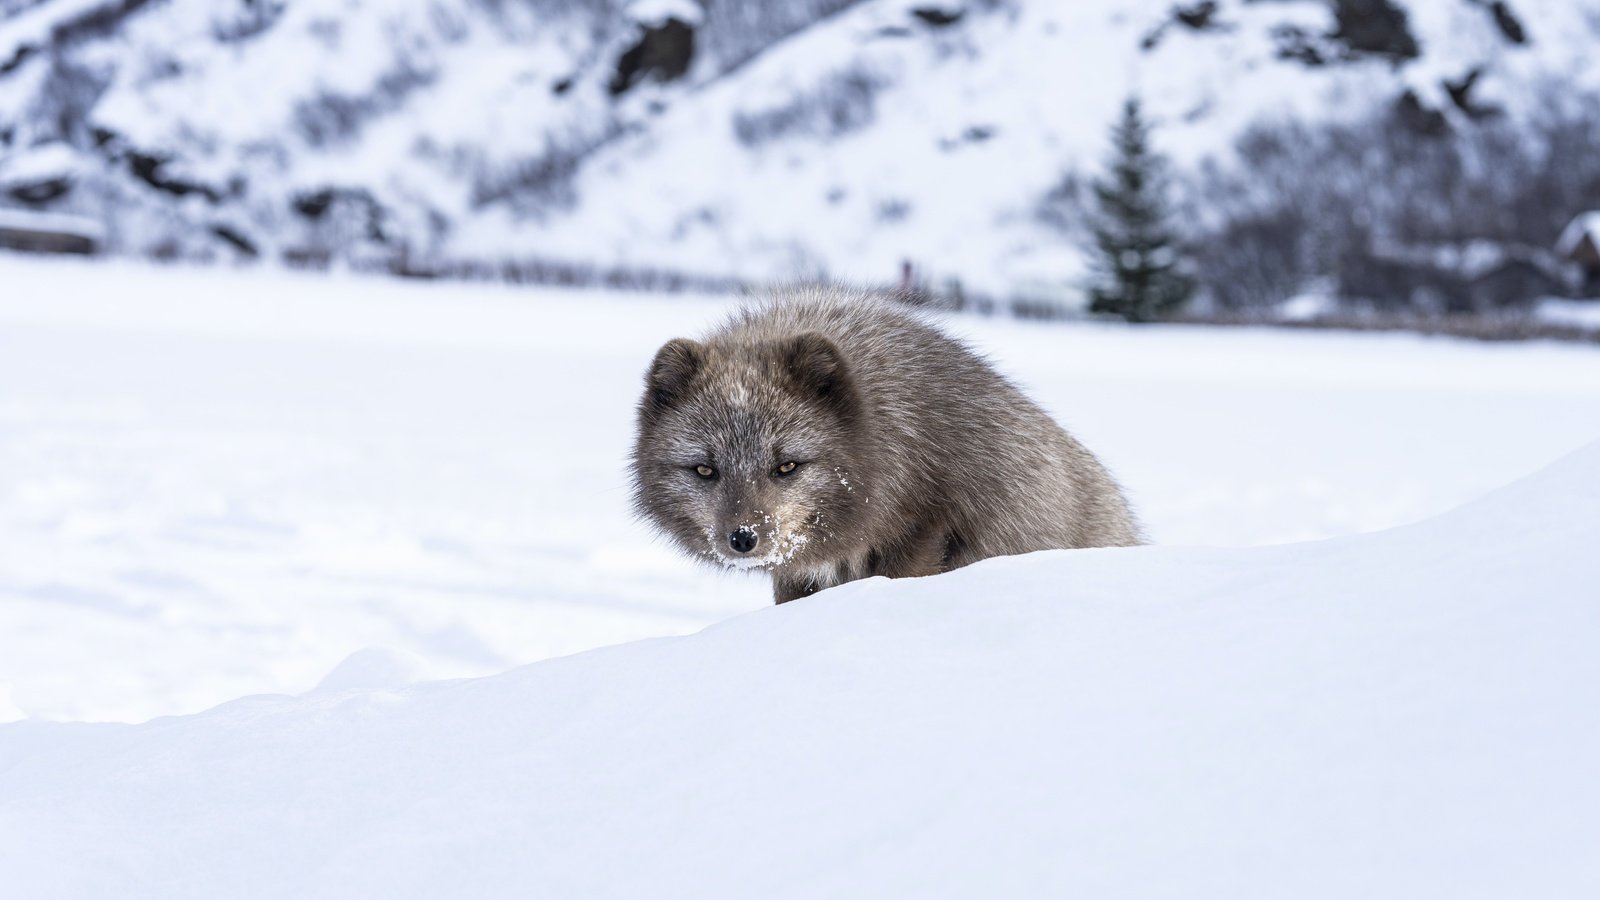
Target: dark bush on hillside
x,y
840,103
1397,218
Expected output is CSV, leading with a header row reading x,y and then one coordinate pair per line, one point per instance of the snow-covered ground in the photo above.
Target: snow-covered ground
x,y
218,483
1404,714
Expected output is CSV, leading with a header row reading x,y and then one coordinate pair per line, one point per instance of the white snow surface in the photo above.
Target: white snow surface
x,y
220,483
1401,714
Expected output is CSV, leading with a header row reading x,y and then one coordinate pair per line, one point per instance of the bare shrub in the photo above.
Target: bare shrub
x,y
842,102
1396,218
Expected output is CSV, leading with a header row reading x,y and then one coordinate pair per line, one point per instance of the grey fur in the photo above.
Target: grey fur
x,y
915,456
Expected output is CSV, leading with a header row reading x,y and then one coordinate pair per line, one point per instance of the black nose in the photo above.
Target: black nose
x,y
743,540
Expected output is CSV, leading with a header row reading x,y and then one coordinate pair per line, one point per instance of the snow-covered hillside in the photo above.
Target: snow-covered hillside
x,y
215,484
1402,714
761,140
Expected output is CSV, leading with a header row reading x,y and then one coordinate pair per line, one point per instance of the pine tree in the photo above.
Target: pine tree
x,y
1140,276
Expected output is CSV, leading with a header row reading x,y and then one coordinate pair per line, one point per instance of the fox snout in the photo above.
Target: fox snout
x,y
743,539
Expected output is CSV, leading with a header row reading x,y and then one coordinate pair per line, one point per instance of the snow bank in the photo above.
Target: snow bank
x,y
1407,713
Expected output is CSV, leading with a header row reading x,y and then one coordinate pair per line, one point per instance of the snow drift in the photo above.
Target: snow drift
x,y
1399,714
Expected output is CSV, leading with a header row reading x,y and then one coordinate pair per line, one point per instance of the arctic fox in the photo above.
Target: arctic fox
x,y
827,434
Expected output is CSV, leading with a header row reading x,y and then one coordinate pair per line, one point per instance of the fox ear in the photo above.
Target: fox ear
x,y
671,374
818,369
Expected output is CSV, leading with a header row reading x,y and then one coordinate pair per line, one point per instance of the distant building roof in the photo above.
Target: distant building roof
x,y
52,223
1586,225
54,160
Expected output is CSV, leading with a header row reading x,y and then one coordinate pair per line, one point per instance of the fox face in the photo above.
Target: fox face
x,y
745,454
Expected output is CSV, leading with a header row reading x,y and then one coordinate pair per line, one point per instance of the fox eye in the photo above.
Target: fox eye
x,y
705,471
786,468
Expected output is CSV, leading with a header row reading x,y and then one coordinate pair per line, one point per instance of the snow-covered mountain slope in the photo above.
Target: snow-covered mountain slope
x,y
947,140
216,483
1400,714
329,124
755,139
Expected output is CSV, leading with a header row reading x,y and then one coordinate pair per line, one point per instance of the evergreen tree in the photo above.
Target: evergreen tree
x,y
1140,278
